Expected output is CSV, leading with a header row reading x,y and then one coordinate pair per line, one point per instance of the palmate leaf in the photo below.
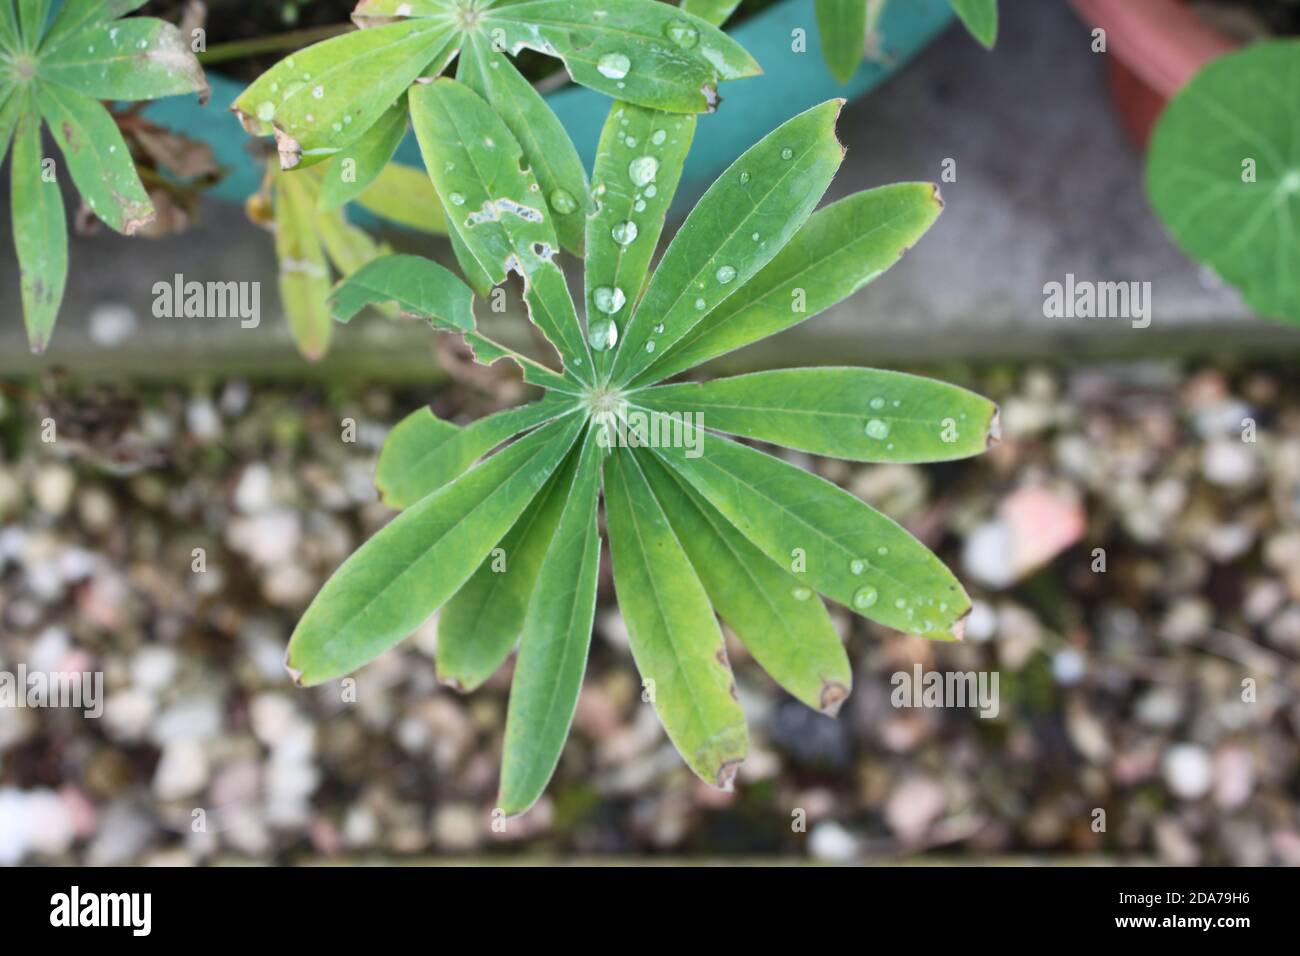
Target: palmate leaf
x,y
320,100
410,568
857,414
420,288
675,640
1223,173
356,168
699,525
57,69
553,646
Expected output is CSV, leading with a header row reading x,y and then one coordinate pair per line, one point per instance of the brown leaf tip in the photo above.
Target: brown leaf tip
x,y
938,196
833,696
294,673
959,626
995,430
727,775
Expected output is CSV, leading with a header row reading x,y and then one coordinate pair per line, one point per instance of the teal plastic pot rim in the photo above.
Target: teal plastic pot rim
x,y
793,80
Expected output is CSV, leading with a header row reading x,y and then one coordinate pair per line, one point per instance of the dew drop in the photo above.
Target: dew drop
x,y
603,335
625,233
857,566
614,66
900,604
457,199
659,329
725,274
562,201
643,170
877,404
683,34
266,112
802,593
864,598
882,551
787,153
658,137
877,429
651,191
609,300
744,177
699,304
650,346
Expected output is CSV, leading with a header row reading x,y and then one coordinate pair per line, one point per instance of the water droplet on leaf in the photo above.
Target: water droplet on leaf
x,y
615,66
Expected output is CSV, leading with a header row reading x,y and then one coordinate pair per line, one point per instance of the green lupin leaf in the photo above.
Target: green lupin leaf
x,y
32,16
423,452
981,19
546,146
675,639
481,623
348,247
304,270
495,203
421,288
9,29
356,168
139,58
10,110
98,158
639,163
744,219
322,99
406,571
1223,173
553,649
778,618
841,248
40,232
843,28
857,414
650,54
850,552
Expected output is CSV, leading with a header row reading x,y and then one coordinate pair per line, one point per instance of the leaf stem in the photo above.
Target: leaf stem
x,y
296,39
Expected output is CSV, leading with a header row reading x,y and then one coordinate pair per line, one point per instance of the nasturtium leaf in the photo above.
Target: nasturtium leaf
x,y
304,271
496,207
355,169
322,99
1223,173
639,163
481,623
980,18
423,452
421,288
547,149
857,414
675,639
843,28
778,619
405,196
714,11
414,564
744,219
553,647
98,158
139,58
840,249
40,232
651,54
852,553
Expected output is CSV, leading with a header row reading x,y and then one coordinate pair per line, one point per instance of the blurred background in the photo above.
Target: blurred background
x,y
1133,549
